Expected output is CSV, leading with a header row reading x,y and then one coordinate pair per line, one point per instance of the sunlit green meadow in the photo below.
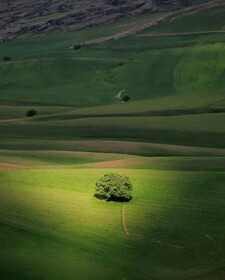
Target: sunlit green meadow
x,y
53,227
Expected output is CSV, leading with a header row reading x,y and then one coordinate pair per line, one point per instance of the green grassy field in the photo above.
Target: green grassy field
x,y
54,228
168,139
207,18
89,81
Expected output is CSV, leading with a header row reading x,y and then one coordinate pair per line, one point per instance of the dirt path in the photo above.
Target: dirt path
x,y
131,31
124,222
149,23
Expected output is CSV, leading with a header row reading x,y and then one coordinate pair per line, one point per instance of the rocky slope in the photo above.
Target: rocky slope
x,y
25,17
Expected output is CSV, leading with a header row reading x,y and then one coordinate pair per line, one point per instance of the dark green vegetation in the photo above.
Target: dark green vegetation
x,y
31,113
168,139
114,187
7,58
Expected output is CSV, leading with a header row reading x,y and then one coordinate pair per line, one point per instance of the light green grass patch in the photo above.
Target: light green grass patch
x,y
56,229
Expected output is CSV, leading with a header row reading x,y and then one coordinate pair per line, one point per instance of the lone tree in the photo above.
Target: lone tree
x,y
7,58
77,46
122,97
114,187
31,113
125,98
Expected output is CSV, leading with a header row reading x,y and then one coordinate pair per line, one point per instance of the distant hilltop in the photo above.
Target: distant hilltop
x,y
21,18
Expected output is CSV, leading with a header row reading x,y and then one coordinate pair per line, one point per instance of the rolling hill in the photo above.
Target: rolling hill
x,y
168,139
24,18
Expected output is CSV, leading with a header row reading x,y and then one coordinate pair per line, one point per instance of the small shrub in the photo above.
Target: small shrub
x,y
31,113
125,98
7,58
77,47
114,187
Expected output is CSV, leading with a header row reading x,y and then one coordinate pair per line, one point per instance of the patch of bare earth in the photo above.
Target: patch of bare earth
x,y
124,222
6,166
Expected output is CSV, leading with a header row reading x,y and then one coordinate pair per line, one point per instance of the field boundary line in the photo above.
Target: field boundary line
x,y
124,221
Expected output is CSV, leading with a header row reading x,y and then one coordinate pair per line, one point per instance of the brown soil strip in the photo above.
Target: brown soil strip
x,y
124,222
145,148
5,166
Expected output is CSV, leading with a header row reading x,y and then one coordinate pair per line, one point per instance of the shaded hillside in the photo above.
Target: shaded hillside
x,y
23,17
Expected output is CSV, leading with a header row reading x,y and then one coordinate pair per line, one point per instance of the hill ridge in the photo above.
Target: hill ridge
x,y
24,18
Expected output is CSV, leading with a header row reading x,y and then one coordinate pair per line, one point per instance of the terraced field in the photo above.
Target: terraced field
x,y
168,139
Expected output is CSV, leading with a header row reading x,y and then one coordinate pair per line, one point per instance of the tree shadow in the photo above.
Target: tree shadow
x,y
113,198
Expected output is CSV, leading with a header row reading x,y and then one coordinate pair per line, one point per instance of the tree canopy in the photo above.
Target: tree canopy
x,y
114,187
122,97
31,113
7,58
